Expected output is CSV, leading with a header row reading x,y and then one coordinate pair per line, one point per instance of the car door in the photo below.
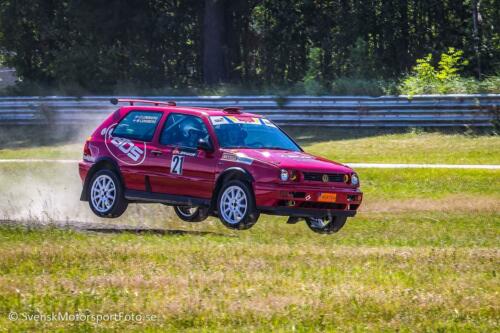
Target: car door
x,y
180,168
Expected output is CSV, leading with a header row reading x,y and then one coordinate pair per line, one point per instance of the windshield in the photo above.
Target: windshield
x,y
250,132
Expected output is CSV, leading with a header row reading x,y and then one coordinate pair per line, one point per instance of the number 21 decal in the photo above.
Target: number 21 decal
x,y
176,165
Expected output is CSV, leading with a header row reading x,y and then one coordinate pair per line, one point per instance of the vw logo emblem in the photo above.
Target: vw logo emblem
x,y
325,178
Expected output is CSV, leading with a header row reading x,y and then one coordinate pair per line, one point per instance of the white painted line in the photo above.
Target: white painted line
x,y
35,160
423,166
354,165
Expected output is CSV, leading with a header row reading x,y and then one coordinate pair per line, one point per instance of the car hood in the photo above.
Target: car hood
x,y
291,160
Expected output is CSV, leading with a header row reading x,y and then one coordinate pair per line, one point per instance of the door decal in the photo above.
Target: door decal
x,y
134,155
176,165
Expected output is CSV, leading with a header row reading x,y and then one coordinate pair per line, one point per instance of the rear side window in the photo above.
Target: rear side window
x,y
138,125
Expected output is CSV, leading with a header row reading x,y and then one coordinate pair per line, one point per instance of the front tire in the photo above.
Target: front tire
x,y
236,205
191,214
326,225
105,193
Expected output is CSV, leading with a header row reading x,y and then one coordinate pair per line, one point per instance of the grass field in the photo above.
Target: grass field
x,y
422,254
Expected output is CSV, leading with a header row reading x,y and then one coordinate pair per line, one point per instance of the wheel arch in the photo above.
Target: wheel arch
x,y
102,163
227,175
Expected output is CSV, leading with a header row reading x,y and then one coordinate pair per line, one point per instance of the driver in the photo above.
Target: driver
x,y
192,131
232,135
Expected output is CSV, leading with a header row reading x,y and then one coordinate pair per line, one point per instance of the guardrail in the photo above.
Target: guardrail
x,y
335,111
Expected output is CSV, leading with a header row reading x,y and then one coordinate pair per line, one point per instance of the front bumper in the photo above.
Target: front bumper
x,y
306,200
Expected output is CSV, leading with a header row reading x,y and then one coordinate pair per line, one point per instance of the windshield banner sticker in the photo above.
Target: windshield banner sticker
x,y
218,120
222,120
267,122
245,120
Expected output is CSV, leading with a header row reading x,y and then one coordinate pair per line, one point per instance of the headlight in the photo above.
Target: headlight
x,y
354,179
284,175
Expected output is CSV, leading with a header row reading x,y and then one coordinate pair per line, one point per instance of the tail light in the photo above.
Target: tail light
x,y
86,148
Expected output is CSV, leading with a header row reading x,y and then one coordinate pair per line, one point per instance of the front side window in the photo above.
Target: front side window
x,y
138,125
182,130
250,132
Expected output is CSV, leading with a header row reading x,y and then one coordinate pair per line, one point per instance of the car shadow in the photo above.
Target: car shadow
x,y
109,229
162,232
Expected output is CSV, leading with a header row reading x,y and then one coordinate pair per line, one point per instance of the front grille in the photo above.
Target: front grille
x,y
318,177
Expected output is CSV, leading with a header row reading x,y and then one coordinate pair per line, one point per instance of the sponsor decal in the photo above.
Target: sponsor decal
x,y
145,119
178,151
229,157
302,158
128,148
308,197
238,158
135,154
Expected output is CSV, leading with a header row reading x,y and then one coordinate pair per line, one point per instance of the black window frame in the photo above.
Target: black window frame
x,y
161,113
177,146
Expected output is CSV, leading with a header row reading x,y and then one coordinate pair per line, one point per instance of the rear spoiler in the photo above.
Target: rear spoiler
x,y
115,101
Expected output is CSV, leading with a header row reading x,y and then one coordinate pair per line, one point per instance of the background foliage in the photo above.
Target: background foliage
x,y
314,46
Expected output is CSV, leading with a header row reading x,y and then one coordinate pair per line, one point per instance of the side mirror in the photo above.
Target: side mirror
x,y
205,145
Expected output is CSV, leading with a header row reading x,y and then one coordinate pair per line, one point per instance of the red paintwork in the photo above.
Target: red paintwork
x,y
200,172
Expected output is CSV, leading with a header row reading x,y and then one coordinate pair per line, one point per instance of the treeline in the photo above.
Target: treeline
x,y
100,46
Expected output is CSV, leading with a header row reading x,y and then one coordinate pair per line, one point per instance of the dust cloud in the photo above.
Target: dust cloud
x,y
49,192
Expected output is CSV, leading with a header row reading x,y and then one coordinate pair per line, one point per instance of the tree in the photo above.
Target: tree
x,y
214,55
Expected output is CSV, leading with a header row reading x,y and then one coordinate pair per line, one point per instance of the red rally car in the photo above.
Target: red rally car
x,y
209,162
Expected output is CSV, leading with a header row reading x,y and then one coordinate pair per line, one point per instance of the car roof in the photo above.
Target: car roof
x,y
195,111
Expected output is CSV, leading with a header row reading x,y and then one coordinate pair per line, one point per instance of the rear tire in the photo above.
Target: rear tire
x,y
326,225
236,205
106,195
191,214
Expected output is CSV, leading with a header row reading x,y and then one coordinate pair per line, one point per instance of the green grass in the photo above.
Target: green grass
x,y
393,272
69,151
408,148
428,183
